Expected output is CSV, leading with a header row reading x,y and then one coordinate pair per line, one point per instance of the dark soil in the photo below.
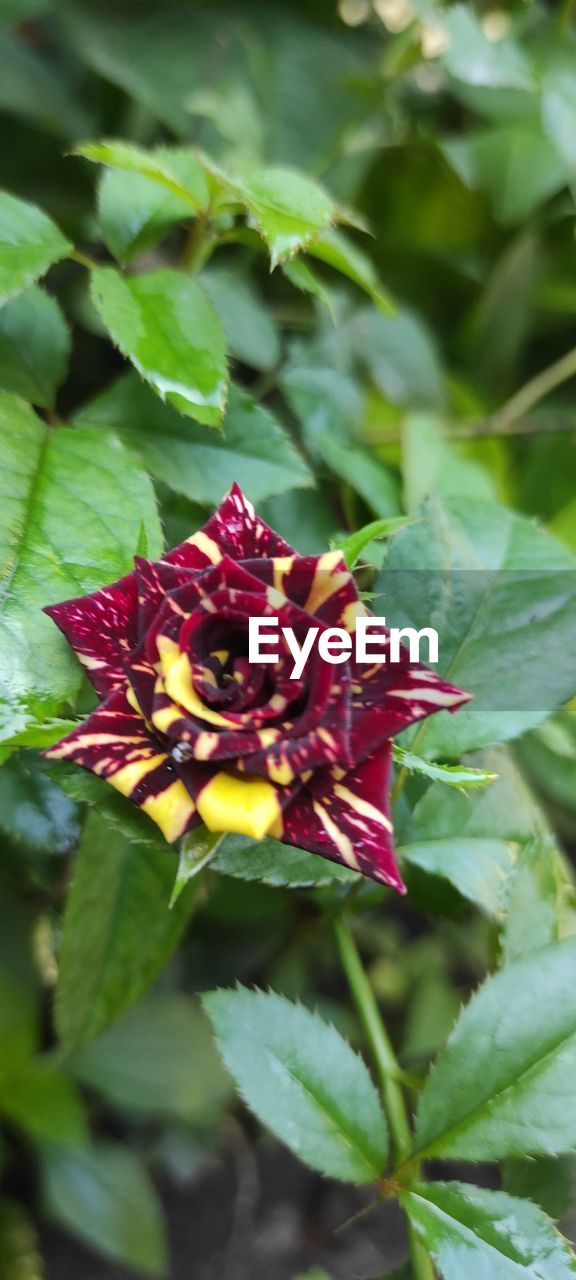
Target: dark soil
x,y
255,1213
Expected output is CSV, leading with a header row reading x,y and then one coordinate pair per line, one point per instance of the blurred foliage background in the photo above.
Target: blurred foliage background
x,y
453,132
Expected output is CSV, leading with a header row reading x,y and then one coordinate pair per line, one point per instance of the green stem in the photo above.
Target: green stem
x,y
196,244
387,1067
84,261
533,391
377,1036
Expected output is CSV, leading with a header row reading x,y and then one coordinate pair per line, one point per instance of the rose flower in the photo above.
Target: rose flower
x,y
193,732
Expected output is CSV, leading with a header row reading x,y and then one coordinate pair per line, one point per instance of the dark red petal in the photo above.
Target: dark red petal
x,y
346,817
102,629
386,698
238,531
321,585
115,744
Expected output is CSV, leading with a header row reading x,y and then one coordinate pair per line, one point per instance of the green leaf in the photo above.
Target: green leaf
x,y
20,1257
29,243
158,1060
477,1233
34,812
288,209
134,213
515,164
197,849
166,326
540,901
452,775
114,808
505,1083
251,333
360,468
472,57
72,507
104,1197
19,1031
546,1180
45,734
548,755
118,931
478,868
559,114
400,355
276,864
253,448
352,544
433,464
302,1080
338,251
500,593
46,1105
34,347
474,840
176,169
305,279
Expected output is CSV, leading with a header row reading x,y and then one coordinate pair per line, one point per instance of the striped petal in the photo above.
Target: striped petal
x,y
239,532
115,744
346,817
388,698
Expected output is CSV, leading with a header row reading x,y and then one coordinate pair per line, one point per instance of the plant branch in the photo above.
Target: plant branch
x,y
196,244
83,259
387,1067
533,391
384,1056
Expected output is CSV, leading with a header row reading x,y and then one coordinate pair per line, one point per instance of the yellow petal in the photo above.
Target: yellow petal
x,y
246,806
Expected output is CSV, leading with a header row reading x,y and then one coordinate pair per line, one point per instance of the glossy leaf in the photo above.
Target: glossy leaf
x,y
453,775
73,506
197,850
118,931
474,840
176,169
34,347
277,1054
253,449
540,900
166,326
546,1180
288,209
486,579
34,812
477,1233
276,864
103,1196
29,243
505,1085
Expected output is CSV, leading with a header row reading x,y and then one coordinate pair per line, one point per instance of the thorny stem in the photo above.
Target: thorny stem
x,y
387,1067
